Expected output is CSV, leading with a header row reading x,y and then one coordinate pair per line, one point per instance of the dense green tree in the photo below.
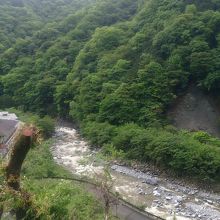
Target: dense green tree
x,y
111,63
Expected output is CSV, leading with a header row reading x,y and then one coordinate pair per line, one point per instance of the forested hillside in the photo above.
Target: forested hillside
x,y
21,19
114,67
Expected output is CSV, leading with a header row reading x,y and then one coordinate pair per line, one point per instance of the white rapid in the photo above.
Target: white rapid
x,y
162,197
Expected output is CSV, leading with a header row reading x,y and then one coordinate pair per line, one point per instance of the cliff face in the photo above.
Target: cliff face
x,y
196,111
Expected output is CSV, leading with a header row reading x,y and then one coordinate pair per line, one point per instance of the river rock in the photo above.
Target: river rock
x,y
179,198
156,193
164,190
209,201
151,181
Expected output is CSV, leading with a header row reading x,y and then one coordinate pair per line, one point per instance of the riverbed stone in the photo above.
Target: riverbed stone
x,y
181,196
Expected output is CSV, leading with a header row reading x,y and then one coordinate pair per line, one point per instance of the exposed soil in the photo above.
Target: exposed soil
x,y
196,111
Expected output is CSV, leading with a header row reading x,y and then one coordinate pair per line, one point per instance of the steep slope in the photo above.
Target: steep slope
x,y
167,42
196,111
114,67
20,19
51,53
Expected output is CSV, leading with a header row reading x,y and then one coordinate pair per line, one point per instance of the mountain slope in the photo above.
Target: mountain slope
x,y
115,67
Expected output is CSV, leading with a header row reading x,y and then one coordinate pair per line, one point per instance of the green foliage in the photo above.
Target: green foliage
x,y
119,107
111,152
56,199
64,200
99,133
45,124
124,136
50,198
44,165
191,9
196,155
212,81
114,66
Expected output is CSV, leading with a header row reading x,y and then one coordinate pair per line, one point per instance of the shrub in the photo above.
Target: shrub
x,y
99,133
191,154
123,139
44,166
59,199
110,150
46,125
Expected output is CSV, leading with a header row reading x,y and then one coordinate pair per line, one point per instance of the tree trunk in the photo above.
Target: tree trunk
x,y
21,147
18,154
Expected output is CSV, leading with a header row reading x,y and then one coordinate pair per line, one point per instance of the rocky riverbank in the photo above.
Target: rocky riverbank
x,y
173,197
148,190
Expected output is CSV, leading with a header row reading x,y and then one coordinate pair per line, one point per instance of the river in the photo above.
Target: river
x,y
155,194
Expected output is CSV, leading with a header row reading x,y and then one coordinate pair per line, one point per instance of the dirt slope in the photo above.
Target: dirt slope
x,y
196,111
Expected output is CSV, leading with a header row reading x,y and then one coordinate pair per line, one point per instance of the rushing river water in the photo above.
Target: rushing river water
x,y
162,197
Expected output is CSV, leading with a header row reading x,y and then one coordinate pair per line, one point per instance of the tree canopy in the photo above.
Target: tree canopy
x,y
109,62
